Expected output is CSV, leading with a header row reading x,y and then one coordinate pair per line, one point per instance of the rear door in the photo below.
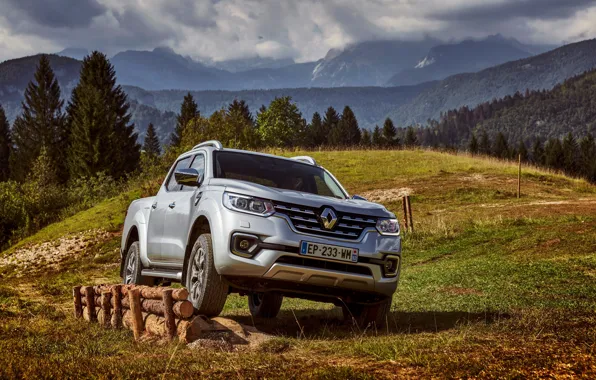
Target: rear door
x,y
178,218
163,203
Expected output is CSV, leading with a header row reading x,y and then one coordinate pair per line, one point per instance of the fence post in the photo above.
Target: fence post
x,y
168,312
78,307
137,316
519,176
410,213
405,208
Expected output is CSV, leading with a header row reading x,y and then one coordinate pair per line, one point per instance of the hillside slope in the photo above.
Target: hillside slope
x,y
535,73
491,286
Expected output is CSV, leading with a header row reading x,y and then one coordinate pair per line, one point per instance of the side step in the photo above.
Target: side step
x,y
161,273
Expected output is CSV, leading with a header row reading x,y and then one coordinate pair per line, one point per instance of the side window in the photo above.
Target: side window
x,y
172,185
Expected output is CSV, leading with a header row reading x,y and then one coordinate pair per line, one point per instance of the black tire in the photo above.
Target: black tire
x,y
264,305
206,288
131,273
367,315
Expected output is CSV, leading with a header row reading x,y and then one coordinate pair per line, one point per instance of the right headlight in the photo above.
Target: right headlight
x,y
248,204
388,226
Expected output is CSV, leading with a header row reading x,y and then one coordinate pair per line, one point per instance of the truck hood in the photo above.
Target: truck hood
x,y
352,206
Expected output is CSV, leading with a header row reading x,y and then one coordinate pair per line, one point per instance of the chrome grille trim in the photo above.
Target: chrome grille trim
x,y
306,219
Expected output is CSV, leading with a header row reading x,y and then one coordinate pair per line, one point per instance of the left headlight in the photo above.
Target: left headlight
x,y
248,204
388,226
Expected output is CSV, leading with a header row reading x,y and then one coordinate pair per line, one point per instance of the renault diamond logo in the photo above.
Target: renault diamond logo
x,y
328,219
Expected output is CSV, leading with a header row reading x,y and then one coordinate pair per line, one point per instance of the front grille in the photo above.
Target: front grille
x,y
306,219
322,264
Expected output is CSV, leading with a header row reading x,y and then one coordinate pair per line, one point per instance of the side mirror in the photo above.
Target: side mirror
x,y
359,198
188,177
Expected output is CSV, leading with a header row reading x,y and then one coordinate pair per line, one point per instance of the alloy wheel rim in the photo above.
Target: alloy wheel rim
x,y
130,269
197,274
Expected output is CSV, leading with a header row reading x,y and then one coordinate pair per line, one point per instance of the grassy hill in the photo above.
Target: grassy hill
x,y
492,286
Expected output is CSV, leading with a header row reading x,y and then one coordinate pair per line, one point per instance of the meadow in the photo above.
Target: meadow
x,y
492,286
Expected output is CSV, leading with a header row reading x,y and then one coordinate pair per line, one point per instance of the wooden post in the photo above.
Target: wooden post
x,y
117,301
90,300
519,177
405,207
78,308
137,316
106,307
170,321
410,219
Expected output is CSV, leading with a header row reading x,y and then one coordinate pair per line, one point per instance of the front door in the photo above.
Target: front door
x,y
178,218
156,233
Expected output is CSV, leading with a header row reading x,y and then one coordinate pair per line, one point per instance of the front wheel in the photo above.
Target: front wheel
x,y
207,290
366,315
264,305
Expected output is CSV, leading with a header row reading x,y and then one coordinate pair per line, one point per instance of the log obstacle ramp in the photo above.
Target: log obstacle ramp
x,y
151,311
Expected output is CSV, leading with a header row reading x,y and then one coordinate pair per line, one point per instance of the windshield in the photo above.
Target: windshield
x,y
276,172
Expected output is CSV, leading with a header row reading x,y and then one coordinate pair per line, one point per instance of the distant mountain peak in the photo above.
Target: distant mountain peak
x,y
74,52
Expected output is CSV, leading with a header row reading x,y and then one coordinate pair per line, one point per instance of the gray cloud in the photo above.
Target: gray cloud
x,y
58,13
300,29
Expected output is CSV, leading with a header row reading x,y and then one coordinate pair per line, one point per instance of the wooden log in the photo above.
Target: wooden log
x,y
168,306
78,307
106,309
182,309
149,292
117,304
137,316
187,330
90,302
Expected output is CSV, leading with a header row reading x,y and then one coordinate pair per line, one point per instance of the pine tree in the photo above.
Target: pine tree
x,y
5,146
538,157
188,111
41,124
377,137
151,145
241,124
366,138
473,146
313,130
484,145
411,139
349,127
501,148
101,138
522,150
389,133
570,154
553,152
587,148
330,121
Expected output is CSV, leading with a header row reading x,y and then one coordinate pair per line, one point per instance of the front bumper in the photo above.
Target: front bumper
x,y
280,261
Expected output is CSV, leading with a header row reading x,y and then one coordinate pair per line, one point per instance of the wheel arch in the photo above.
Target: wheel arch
x,y
131,237
201,225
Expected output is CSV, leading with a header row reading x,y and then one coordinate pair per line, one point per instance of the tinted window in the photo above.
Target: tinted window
x,y
276,172
182,164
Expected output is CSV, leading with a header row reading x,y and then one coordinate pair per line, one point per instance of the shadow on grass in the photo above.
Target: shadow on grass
x,y
314,323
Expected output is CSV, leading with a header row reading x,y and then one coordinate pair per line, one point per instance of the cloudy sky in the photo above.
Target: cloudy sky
x,y
300,29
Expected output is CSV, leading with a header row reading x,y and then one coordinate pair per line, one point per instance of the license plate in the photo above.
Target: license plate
x,y
327,251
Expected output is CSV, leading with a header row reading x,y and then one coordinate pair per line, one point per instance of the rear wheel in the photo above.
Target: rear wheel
x,y
264,305
367,315
207,289
133,267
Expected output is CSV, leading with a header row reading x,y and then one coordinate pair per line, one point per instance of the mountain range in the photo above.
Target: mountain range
x,y
144,74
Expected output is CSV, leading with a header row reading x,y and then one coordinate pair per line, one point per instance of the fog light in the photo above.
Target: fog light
x,y
244,244
391,266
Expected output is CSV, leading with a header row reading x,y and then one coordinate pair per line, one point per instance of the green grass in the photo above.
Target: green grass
x,y
491,286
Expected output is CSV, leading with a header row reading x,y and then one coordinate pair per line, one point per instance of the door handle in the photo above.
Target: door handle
x,y
154,205
172,205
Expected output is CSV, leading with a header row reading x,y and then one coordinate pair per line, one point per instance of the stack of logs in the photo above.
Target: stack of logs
x,y
164,312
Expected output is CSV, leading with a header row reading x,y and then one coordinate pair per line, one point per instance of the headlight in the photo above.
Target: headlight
x,y
249,205
388,226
